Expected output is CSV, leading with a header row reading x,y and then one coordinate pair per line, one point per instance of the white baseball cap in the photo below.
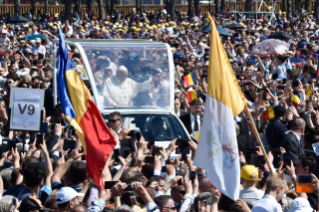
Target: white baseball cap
x,y
4,31
65,194
300,204
38,40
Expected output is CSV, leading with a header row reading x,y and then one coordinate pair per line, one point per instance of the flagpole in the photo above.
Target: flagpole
x,y
258,138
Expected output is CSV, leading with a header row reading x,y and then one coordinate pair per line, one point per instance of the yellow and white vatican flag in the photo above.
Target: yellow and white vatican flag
x,y
217,150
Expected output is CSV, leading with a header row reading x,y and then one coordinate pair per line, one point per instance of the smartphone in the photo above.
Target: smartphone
x,y
39,140
109,184
45,128
131,133
251,150
287,159
149,159
246,83
179,182
281,87
184,157
163,169
128,188
52,126
192,176
304,179
261,161
5,146
167,162
72,144
73,132
70,132
60,154
275,151
55,119
182,142
125,153
304,184
254,160
251,61
151,142
116,154
14,202
12,144
138,135
178,151
156,150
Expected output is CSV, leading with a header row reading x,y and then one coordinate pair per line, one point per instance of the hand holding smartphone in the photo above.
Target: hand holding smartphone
x,y
304,184
39,141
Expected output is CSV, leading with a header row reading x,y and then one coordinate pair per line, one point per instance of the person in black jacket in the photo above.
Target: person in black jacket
x,y
276,129
193,120
306,165
292,142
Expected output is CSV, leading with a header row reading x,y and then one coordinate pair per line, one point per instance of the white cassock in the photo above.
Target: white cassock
x,y
116,93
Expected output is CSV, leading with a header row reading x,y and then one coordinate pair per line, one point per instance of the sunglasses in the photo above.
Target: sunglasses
x,y
171,208
113,120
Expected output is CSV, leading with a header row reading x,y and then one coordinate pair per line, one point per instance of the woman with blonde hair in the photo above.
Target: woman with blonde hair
x,y
241,55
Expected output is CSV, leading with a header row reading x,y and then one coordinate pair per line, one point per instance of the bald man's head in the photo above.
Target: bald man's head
x,y
79,208
298,125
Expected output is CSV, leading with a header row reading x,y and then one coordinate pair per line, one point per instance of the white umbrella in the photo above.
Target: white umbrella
x,y
269,47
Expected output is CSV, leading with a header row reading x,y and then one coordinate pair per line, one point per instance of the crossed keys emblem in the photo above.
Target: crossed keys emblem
x,y
230,149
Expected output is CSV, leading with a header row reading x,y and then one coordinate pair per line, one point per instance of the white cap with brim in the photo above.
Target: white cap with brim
x,y
65,194
300,204
290,52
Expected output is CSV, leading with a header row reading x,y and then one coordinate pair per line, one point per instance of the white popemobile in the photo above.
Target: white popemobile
x,y
137,81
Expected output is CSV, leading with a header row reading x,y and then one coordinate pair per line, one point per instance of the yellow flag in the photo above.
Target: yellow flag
x,y
222,83
308,92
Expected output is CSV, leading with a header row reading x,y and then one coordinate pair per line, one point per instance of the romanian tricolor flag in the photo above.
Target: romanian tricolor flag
x,y
295,100
191,95
217,150
308,92
189,80
82,113
269,113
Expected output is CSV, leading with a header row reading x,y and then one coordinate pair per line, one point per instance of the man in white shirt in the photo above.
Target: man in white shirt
x,y
276,187
34,30
119,90
38,47
249,177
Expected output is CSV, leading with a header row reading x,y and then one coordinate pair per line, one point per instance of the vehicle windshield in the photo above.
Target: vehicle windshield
x,y
129,75
162,127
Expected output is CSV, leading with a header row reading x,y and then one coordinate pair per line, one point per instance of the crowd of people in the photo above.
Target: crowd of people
x,y
52,175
